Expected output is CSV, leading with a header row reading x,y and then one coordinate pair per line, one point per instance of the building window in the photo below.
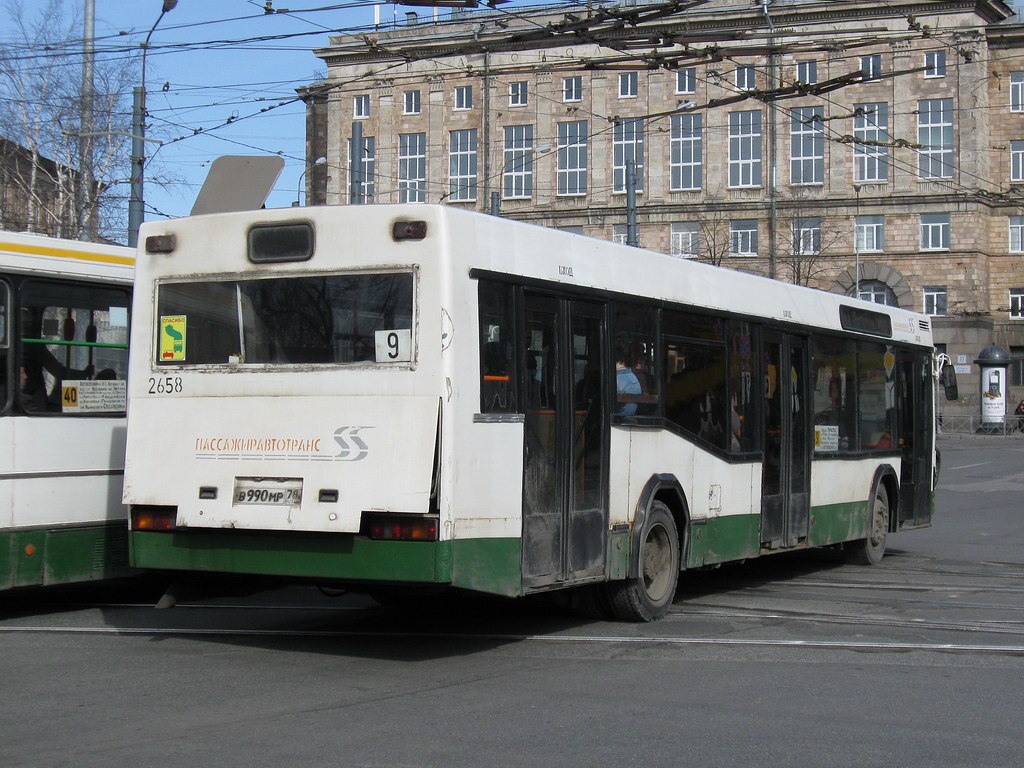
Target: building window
x,y
878,292
1017,91
684,239
871,66
935,300
686,80
743,237
807,159
935,135
361,106
366,168
869,234
807,72
686,152
518,171
935,231
746,77
935,64
745,149
412,167
517,94
1017,303
464,97
572,88
628,146
572,158
411,105
619,234
462,165
871,136
1017,161
1016,371
1017,234
628,85
806,236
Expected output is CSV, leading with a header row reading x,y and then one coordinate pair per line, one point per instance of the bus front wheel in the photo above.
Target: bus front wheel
x,y
648,595
869,551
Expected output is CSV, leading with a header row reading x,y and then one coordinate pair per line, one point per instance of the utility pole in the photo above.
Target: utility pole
x,y
631,234
136,204
86,187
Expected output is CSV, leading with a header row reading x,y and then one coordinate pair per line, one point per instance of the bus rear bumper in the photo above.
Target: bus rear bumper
x,y
331,557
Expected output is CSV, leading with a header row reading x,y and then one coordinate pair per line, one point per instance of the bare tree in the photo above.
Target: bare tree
x,y
713,236
809,243
49,163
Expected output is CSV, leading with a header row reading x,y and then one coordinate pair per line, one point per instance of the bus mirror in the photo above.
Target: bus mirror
x,y
948,376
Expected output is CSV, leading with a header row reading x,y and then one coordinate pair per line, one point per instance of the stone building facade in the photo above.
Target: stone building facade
x,y
865,148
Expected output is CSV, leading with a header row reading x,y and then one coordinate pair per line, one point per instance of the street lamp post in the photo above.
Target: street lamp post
x,y
136,206
298,184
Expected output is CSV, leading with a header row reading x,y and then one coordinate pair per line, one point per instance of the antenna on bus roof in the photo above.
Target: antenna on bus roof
x,y
238,183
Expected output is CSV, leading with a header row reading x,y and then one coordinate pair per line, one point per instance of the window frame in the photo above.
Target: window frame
x,y
807,146
517,169
686,152
361,106
745,137
870,161
932,223
629,85
412,167
572,89
934,64
627,145
572,165
876,226
686,80
684,239
463,98
935,134
743,240
412,103
935,300
462,165
518,93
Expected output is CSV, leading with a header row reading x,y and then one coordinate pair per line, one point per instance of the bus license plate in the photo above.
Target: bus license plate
x,y
277,492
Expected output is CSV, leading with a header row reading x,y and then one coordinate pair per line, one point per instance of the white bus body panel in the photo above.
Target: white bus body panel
x,y
375,453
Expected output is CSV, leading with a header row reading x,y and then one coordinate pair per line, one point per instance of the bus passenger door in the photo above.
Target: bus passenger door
x,y
565,512
785,489
916,426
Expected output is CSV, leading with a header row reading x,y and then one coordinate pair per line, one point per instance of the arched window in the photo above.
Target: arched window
x,y
878,292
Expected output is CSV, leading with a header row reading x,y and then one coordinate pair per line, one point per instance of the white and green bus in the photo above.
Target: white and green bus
x,y
396,396
64,317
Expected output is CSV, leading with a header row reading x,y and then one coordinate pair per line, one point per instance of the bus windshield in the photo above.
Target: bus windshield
x,y
303,319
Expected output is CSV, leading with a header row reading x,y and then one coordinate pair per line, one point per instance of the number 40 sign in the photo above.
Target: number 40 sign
x,y
393,346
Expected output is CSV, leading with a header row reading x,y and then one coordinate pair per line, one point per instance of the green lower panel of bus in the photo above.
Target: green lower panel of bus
x,y
352,558
723,539
836,523
49,556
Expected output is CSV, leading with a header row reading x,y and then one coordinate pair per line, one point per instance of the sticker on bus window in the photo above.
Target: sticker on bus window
x,y
172,338
393,346
94,396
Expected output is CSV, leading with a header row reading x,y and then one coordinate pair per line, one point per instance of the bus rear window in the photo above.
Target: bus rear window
x,y
308,319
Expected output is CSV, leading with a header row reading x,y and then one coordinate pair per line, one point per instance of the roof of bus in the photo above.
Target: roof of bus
x,y
493,244
28,253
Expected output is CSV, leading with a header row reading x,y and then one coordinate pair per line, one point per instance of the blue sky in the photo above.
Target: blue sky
x,y
207,69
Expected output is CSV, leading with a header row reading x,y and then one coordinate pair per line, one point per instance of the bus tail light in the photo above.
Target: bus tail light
x,y
401,528
149,517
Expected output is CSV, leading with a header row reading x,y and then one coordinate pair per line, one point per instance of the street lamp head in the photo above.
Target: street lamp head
x,y
169,5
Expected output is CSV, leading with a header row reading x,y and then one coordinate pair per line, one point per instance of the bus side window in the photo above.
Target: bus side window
x,y
497,348
834,394
635,350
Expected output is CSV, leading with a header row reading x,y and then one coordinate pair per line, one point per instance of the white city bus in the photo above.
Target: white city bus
x,y
64,311
388,396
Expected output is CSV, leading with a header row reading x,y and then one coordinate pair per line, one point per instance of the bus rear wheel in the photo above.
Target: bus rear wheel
x,y
649,594
869,551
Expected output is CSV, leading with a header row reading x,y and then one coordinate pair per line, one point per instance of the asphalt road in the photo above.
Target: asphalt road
x,y
794,660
